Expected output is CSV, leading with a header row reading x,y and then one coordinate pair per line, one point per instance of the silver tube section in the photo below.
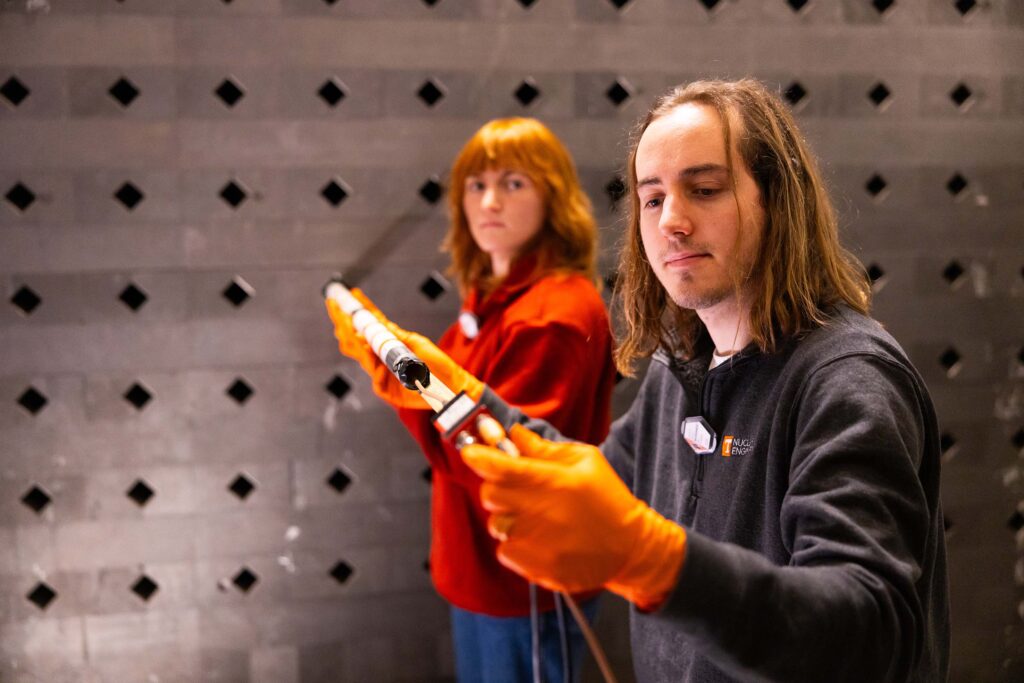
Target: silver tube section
x,y
396,356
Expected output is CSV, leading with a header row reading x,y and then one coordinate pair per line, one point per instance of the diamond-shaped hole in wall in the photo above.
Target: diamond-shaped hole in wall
x,y
42,595
797,5
1020,356
526,3
615,190
795,93
240,391
619,91
241,486
527,92
956,184
20,196
875,272
133,297
26,300
876,186
431,92
1016,521
950,361
129,196
124,91
961,95
434,286
1018,439
238,291
37,499
140,492
953,272
145,587
427,474
341,572
709,4
882,6
233,194
332,92
32,400
965,7
879,94
138,396
229,92
338,387
245,579
432,190
335,192
339,480
14,91
947,442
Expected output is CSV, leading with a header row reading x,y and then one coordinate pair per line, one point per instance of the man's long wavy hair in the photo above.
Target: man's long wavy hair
x,y
567,241
801,272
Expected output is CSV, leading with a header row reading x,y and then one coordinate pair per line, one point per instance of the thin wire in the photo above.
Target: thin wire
x,y
588,634
535,634
563,637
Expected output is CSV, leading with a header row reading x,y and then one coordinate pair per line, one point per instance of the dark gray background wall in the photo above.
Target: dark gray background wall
x,y
194,486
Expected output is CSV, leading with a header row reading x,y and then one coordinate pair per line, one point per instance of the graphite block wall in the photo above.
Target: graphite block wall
x,y
194,486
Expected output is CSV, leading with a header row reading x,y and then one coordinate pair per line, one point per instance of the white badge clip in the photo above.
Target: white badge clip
x,y
469,324
699,435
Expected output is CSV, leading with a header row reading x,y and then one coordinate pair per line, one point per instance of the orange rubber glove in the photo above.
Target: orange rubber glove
x,y
352,344
447,371
567,522
385,384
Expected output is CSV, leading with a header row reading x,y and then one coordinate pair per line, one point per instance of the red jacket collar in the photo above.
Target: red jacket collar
x,y
521,275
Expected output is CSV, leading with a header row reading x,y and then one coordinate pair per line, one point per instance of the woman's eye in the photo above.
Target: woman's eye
x,y
475,186
515,184
706,191
652,203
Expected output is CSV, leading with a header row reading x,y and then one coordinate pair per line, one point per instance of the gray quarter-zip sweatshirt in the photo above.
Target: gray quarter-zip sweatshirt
x,y
815,546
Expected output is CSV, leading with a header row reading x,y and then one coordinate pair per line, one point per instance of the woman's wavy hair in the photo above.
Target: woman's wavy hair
x,y
567,241
801,272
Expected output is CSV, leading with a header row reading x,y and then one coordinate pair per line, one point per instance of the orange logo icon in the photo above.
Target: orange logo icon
x,y
727,446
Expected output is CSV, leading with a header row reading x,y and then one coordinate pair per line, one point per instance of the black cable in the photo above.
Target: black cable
x,y
535,634
563,636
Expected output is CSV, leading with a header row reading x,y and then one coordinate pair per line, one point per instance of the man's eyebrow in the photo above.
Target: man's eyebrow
x,y
703,168
686,173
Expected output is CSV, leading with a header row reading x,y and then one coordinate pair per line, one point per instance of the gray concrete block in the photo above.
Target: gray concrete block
x,y
267,483
41,198
329,93
48,649
141,93
384,9
253,91
274,665
46,96
84,545
152,196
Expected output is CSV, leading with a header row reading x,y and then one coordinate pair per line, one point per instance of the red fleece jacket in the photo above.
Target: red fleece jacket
x,y
544,345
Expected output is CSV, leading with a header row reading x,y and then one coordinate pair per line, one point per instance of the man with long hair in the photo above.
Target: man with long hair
x,y
770,502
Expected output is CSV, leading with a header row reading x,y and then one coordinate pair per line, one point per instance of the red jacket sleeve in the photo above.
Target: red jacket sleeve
x,y
550,371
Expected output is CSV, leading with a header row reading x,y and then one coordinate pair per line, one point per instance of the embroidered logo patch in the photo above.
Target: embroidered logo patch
x,y
732,445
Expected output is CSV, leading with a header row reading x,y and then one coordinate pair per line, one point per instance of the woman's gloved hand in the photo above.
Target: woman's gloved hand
x,y
567,522
352,344
447,371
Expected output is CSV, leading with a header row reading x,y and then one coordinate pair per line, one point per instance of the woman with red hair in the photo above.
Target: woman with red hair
x,y
533,327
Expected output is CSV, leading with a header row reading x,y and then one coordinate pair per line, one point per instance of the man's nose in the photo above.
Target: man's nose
x,y
675,217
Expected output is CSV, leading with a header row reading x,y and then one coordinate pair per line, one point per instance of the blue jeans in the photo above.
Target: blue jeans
x,y
497,649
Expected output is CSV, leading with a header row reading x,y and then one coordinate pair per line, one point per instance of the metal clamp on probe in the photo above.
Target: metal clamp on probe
x,y
463,421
